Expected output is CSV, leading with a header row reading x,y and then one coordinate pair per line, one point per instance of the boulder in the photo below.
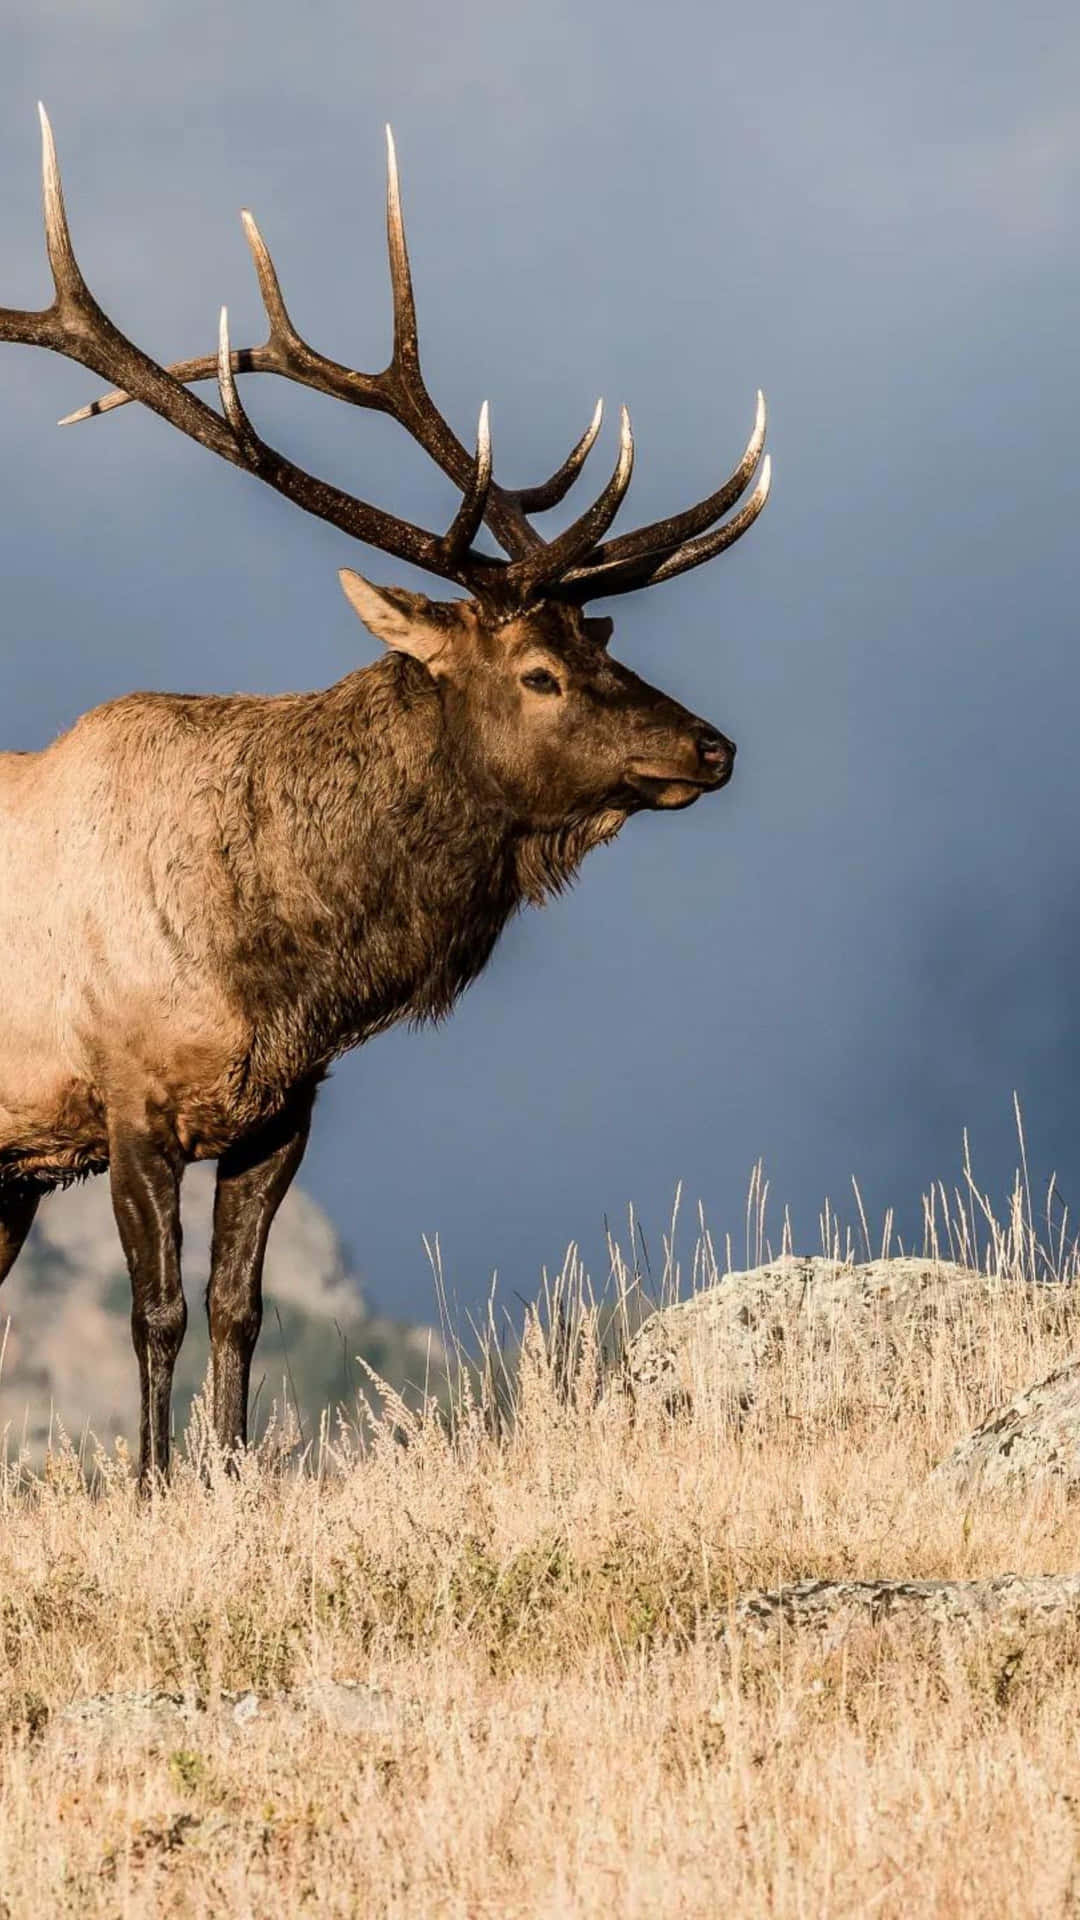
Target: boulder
x,y
875,1325
832,1610
1034,1438
122,1723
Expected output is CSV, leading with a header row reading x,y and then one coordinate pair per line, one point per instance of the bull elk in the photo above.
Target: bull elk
x,y
204,900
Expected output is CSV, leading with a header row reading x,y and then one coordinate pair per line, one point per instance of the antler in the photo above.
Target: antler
x,y
75,325
573,566
398,390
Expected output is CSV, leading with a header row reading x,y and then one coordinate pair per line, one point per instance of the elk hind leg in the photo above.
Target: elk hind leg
x,y
253,1179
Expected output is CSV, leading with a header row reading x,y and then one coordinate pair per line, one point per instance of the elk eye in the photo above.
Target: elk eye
x,y
539,680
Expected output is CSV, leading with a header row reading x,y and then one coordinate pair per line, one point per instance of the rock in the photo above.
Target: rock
x,y
156,1718
1034,1438
348,1706
148,1718
1009,1605
871,1320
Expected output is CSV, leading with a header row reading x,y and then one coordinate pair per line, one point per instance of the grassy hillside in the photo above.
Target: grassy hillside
x,y
548,1715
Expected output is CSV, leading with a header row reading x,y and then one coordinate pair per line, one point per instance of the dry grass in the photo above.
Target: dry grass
x,y
565,1730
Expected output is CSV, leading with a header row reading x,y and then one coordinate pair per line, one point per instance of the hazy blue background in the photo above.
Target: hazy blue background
x,y
872,938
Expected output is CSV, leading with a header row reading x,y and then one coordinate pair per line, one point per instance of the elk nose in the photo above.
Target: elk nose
x,y
715,751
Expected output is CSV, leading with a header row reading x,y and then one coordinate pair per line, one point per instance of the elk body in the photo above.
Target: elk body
x,y
204,900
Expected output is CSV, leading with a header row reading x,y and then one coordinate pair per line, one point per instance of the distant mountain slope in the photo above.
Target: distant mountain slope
x,y
66,1307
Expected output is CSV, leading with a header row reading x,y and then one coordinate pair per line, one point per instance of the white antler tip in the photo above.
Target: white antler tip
x,y
47,141
766,475
393,186
255,241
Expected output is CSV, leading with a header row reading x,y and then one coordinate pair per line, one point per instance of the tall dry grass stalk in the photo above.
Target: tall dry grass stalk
x,y
535,1589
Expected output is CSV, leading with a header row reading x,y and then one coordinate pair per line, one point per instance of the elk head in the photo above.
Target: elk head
x,y
563,731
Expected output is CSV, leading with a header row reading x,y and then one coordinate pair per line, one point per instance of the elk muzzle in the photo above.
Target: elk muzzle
x,y
703,763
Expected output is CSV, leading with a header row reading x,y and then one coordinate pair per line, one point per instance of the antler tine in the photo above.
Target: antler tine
x,y
413,404
75,326
524,578
230,398
282,332
48,326
406,337
550,492
284,351
663,536
466,523
592,583
184,372
67,277
319,497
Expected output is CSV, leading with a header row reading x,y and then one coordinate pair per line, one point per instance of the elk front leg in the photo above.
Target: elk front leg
x,y
144,1170
253,1179
17,1210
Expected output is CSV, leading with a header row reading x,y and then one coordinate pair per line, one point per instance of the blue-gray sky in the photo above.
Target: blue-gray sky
x,y
871,939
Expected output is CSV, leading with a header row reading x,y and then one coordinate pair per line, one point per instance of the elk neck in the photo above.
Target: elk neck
x,y
373,865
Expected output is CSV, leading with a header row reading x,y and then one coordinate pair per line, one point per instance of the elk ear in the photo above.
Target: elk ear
x,y
404,621
600,628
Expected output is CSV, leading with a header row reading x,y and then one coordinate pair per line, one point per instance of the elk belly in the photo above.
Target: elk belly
x,y
52,1127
